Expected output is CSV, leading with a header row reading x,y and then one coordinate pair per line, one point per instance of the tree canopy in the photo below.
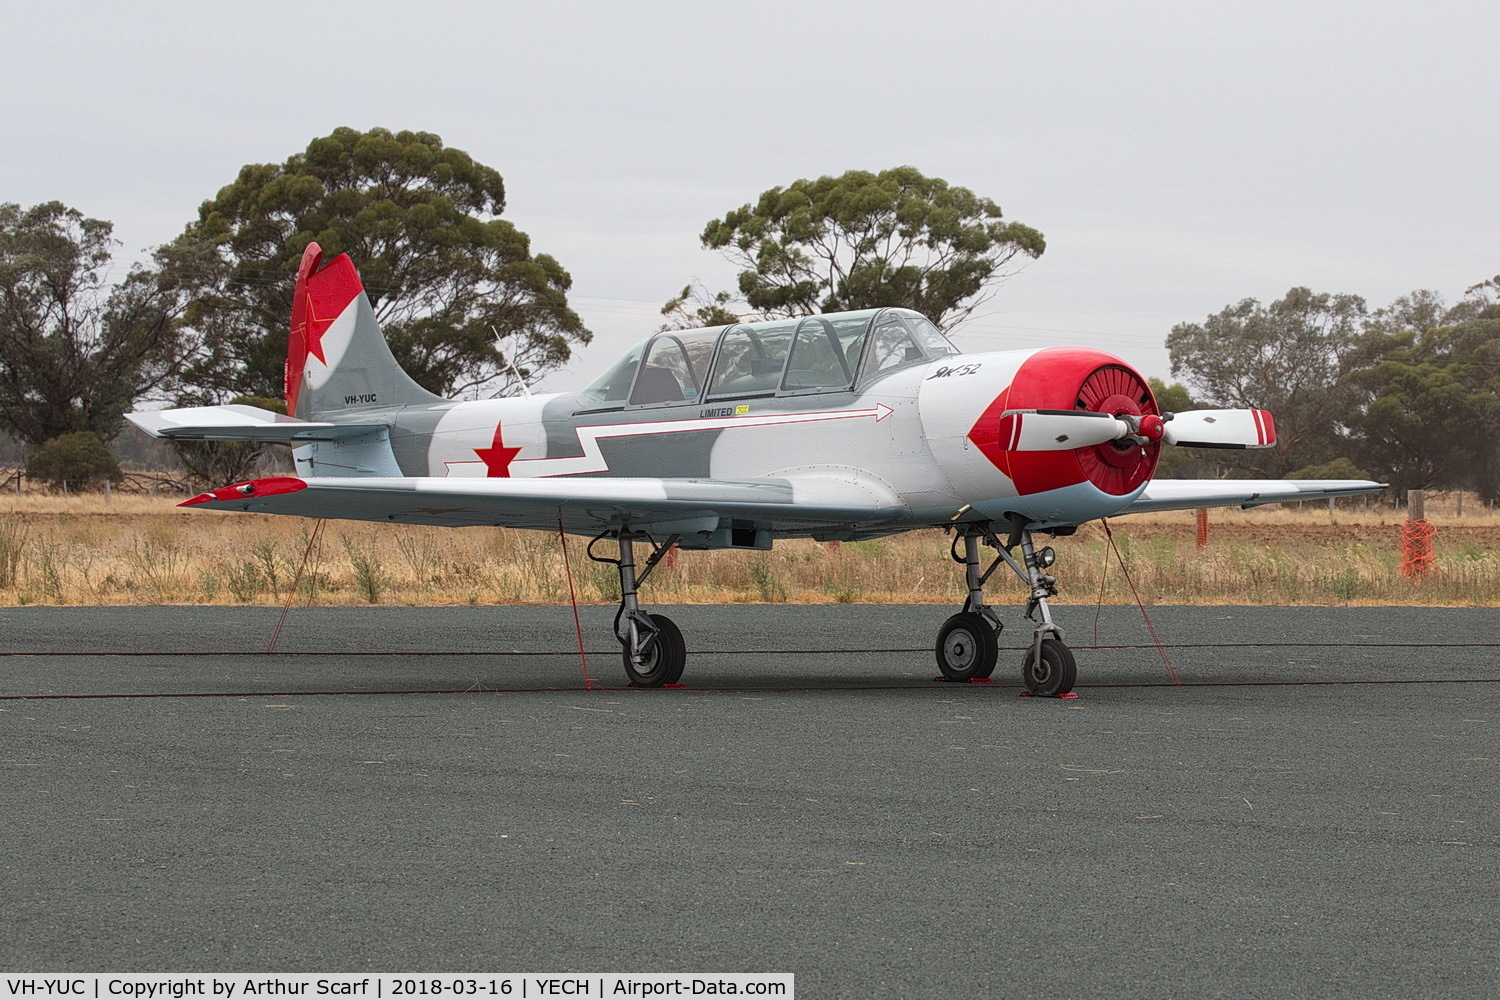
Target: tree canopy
x,y
1425,400
445,274
78,461
75,351
1430,414
696,307
1408,394
862,240
1296,357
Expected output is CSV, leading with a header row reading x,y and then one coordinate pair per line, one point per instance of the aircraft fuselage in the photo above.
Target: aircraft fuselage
x,y
922,426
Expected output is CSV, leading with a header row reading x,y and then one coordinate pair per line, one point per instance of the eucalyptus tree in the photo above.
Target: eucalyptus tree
x,y
463,300
76,350
860,240
1297,357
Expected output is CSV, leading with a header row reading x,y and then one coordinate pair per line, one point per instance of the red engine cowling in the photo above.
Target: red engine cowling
x,y
1072,378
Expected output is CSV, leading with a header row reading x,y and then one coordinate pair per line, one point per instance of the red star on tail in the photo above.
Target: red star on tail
x,y
313,330
497,457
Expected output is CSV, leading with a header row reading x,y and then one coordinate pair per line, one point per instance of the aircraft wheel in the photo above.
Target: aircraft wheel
x,y
967,647
1051,674
664,661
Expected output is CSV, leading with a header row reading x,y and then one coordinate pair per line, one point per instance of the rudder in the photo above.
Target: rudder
x,y
337,359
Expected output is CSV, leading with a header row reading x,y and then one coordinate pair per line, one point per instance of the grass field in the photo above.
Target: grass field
x,y
137,550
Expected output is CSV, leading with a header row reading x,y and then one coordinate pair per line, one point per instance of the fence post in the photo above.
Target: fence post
x,y
1416,537
1201,537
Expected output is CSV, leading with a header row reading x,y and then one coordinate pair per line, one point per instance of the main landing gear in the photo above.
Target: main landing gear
x,y
652,645
968,643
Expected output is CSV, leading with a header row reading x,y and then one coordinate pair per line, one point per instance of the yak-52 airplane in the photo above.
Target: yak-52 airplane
x,y
841,426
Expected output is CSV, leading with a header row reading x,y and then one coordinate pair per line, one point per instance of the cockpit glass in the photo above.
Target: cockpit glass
x,y
675,369
901,338
614,385
751,358
892,346
824,353
851,329
818,360
934,344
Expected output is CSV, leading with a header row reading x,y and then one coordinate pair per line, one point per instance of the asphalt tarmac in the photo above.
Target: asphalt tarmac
x,y
1291,820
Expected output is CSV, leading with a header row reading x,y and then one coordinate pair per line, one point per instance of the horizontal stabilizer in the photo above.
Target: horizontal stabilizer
x,y
1221,429
237,422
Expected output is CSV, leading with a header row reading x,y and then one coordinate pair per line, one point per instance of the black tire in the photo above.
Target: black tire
x,y
664,661
1055,672
967,647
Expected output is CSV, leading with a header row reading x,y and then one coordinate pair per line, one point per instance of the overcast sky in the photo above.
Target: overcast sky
x,y
1178,156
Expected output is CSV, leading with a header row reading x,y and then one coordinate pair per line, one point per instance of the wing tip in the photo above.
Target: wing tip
x,y
250,488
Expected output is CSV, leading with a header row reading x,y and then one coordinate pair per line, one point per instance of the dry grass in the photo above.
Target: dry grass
x,y
139,550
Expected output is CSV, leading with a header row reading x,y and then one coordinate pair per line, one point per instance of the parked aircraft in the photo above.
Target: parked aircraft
x,y
840,426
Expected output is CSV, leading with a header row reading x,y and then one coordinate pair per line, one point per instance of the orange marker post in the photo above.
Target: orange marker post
x,y
1417,560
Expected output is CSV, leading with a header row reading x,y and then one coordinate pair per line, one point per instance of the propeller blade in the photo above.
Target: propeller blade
x,y
1221,429
1058,430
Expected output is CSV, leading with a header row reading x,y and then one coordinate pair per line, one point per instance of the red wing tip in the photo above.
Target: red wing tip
x,y
254,488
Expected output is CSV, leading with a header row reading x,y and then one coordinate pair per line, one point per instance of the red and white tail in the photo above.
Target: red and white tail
x,y
337,364
337,360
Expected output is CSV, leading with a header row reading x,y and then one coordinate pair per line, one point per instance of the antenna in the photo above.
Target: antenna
x,y
511,362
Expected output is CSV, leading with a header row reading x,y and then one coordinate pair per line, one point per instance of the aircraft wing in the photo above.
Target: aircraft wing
x,y
1185,494
584,505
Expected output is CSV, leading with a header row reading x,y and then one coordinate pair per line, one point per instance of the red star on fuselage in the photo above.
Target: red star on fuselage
x,y
497,457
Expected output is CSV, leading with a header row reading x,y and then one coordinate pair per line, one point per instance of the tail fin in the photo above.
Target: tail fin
x,y
337,360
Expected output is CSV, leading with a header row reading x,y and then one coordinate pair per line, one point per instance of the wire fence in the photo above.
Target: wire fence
x,y
15,481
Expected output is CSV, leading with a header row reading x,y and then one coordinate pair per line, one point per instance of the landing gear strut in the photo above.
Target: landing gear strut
x,y
651,644
967,645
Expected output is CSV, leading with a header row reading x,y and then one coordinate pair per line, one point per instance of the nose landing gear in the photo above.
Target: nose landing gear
x,y
967,645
